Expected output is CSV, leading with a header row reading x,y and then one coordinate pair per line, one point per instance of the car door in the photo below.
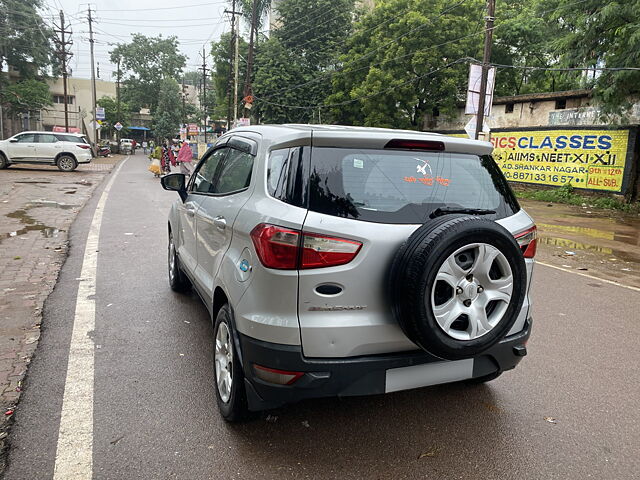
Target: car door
x,y
47,147
24,149
218,212
199,188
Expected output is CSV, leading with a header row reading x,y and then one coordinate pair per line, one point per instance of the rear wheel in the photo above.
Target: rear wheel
x,y
228,374
66,163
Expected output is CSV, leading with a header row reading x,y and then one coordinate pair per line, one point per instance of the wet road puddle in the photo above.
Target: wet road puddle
x,y
30,223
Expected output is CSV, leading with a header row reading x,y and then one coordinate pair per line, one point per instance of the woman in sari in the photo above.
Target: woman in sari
x,y
184,159
156,157
168,158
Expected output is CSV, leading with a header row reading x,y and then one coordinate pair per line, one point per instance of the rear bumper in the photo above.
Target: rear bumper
x,y
365,375
84,157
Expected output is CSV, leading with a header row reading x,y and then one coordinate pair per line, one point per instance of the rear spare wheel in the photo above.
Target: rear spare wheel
x,y
457,285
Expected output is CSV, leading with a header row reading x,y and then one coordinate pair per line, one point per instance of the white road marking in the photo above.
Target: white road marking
x,y
610,282
74,456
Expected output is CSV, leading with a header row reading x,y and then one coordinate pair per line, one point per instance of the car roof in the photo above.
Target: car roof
x,y
52,133
343,136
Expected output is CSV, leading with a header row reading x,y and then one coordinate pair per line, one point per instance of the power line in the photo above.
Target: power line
x,y
179,7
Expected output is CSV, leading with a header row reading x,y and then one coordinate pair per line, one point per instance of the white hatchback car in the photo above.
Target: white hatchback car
x,y
64,150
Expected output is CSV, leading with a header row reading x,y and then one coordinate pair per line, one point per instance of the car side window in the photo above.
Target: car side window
x,y
46,138
204,176
26,138
235,173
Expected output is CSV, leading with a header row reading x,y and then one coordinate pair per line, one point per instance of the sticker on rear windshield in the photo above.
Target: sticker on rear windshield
x,y
357,163
427,175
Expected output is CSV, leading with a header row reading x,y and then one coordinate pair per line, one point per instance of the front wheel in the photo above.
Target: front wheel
x,y
228,374
66,163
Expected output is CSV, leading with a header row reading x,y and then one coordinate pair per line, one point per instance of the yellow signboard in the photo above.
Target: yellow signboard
x,y
591,159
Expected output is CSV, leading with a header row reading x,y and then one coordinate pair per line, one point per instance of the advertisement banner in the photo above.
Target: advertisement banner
x,y
193,129
586,158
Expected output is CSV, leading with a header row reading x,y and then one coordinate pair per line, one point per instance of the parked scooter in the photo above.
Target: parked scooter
x,y
104,151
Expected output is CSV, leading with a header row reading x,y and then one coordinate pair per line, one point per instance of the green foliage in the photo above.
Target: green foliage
x,y
293,68
167,113
220,51
25,40
567,194
111,113
25,96
146,61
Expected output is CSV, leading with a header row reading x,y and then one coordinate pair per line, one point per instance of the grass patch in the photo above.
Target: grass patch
x,y
567,194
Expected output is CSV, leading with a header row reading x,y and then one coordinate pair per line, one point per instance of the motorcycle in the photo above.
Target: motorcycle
x,y
104,151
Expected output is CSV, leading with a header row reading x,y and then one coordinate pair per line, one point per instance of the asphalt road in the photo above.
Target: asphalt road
x,y
570,410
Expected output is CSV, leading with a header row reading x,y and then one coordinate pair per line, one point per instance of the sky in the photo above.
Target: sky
x,y
194,22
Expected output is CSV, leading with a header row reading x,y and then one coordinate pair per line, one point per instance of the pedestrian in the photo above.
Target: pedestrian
x,y
168,158
144,147
156,158
184,159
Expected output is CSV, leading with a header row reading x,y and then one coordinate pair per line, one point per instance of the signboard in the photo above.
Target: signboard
x,y
243,122
118,126
100,113
193,129
586,158
473,91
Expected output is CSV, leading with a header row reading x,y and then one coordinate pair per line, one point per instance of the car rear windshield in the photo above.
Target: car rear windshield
x,y
404,187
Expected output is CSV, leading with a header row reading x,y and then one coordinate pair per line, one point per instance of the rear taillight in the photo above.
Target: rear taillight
x,y
528,241
83,145
280,248
322,251
272,375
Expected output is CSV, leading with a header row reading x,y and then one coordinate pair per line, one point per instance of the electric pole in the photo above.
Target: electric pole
x,y
93,83
204,92
118,103
64,54
253,30
233,77
486,59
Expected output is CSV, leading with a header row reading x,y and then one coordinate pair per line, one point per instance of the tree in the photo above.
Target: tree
x,y
293,67
167,113
111,113
146,61
25,40
407,60
25,96
220,51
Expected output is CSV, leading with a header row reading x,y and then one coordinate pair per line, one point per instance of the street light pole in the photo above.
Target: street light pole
x,y
486,59
93,83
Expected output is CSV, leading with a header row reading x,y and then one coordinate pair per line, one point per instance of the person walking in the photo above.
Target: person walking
x,y
144,147
168,158
185,155
156,158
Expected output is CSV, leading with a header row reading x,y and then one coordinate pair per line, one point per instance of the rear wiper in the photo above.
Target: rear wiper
x,y
438,212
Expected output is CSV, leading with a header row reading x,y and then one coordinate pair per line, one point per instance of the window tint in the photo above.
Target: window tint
x,y
402,186
46,138
26,138
277,172
205,175
236,172
69,138
285,173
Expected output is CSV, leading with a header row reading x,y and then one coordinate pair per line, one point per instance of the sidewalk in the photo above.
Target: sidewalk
x,y
37,206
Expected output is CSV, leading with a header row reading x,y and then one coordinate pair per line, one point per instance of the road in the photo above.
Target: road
x,y
569,411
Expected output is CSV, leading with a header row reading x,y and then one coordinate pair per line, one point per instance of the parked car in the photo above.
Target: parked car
x,y
65,150
341,261
126,145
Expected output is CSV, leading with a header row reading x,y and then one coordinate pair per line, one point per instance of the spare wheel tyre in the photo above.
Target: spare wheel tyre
x,y
457,285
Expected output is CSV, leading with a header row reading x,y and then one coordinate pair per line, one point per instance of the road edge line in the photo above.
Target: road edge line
x,y
74,451
610,282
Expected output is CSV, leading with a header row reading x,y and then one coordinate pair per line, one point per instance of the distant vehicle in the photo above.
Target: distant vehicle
x,y
339,261
64,150
126,145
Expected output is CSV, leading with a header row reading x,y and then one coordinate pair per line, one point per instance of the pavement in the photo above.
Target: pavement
x,y
569,411
37,206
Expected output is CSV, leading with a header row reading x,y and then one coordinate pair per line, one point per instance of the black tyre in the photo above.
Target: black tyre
x,y
457,285
66,163
228,374
178,281
4,163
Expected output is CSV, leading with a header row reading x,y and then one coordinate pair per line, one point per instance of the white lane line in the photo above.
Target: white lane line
x,y
610,282
74,456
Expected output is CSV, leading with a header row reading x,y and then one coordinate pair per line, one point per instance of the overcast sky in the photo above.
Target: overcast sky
x,y
196,23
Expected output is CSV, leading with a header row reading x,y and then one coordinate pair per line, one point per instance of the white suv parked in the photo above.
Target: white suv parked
x,y
64,150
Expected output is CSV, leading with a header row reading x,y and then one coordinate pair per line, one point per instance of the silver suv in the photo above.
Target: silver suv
x,y
343,261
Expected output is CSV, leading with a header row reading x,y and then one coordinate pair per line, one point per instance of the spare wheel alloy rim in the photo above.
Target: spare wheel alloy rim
x,y
472,291
66,163
224,362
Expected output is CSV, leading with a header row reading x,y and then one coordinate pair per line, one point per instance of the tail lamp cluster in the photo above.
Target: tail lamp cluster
x,y
288,249
83,146
528,241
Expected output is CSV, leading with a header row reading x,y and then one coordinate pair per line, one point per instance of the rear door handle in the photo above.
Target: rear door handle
x,y
220,222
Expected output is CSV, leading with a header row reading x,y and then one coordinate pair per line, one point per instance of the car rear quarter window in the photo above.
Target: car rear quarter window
x,y
404,187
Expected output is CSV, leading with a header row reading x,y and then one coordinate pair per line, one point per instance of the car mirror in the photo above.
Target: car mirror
x,y
175,182
13,140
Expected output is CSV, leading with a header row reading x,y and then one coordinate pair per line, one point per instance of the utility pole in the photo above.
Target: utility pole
x,y
486,59
118,103
93,83
233,60
253,30
64,54
204,91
